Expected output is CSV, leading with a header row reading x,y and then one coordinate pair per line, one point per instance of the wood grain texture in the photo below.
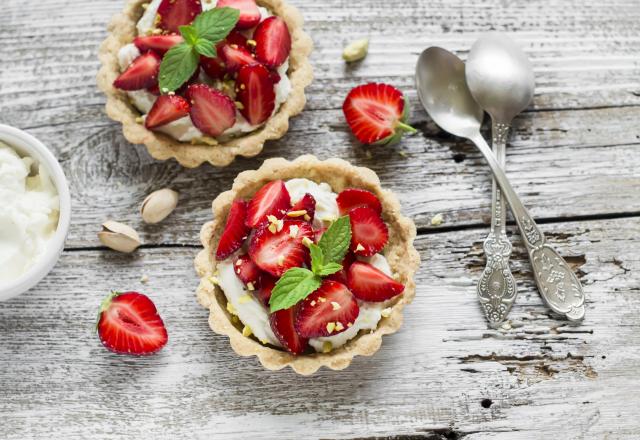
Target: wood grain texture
x,y
574,158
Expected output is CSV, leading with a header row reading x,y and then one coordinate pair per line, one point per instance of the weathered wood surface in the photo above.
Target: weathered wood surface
x,y
573,157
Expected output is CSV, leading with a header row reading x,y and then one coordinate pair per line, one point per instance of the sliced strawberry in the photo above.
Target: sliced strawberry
x,y
236,57
212,112
167,108
154,89
305,208
235,231
341,276
273,42
249,12
142,73
282,323
216,67
377,113
369,234
256,91
278,252
275,76
317,234
157,43
175,13
267,283
272,199
237,38
247,270
370,284
353,198
128,323
328,311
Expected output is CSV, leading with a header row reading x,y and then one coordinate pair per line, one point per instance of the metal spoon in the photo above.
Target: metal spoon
x,y
500,78
443,91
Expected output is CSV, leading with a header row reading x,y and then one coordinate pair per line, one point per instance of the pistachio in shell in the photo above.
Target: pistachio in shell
x,y
158,205
119,237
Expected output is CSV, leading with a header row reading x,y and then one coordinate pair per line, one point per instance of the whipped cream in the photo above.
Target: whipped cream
x,y
255,315
183,129
29,214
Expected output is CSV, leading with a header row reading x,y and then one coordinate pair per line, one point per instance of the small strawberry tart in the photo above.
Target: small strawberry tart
x,y
306,264
205,80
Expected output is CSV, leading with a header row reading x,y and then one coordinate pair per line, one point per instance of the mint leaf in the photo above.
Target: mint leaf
x,y
215,24
336,240
190,34
329,269
294,286
206,48
178,65
317,258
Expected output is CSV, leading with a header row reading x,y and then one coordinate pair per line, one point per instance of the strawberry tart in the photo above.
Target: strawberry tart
x,y
205,80
306,264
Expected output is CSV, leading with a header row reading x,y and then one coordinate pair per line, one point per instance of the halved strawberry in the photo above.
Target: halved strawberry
x,y
326,312
282,323
267,283
278,252
369,234
341,276
128,323
175,13
216,67
237,38
256,91
305,208
247,270
142,73
212,112
249,12
377,114
353,198
158,43
235,57
370,284
272,199
273,42
235,231
167,108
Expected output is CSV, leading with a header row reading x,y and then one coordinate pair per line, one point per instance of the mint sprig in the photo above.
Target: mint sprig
x,y
326,257
200,38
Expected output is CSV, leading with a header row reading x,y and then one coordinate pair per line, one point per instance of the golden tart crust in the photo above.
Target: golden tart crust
x,y
400,253
122,31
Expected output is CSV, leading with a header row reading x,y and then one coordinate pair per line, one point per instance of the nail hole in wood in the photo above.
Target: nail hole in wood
x,y
486,403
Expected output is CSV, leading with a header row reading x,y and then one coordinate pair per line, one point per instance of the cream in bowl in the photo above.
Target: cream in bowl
x,y
34,218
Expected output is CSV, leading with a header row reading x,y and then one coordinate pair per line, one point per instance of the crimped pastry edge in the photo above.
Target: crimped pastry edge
x,y
400,252
122,30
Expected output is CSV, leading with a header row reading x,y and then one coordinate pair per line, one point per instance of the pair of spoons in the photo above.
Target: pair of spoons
x,y
498,78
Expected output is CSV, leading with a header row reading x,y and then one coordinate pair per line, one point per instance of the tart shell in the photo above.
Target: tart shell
x,y
400,253
122,31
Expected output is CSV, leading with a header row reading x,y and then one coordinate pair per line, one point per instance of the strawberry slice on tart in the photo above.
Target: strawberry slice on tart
x,y
278,249
212,112
283,325
157,43
369,233
255,90
235,231
249,13
273,42
272,199
248,272
175,13
368,283
304,208
142,73
328,311
166,109
351,198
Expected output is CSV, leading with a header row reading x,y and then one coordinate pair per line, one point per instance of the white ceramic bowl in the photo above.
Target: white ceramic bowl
x,y
27,145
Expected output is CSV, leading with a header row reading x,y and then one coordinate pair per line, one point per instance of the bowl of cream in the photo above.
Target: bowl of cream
x,y
35,211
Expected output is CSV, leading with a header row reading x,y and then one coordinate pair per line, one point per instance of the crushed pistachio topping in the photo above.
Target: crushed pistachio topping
x,y
327,347
296,213
386,312
276,224
293,231
213,280
252,43
437,220
356,50
307,241
244,299
231,309
349,324
335,305
140,120
331,326
239,105
281,260
307,218
339,326
250,286
322,299
313,303
246,331
144,279
359,248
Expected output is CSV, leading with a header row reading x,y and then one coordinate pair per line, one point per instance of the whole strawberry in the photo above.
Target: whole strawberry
x,y
128,323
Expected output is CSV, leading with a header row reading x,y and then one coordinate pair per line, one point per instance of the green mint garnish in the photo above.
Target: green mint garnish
x,y
326,258
200,38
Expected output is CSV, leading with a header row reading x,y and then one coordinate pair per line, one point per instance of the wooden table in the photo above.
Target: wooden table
x,y
574,158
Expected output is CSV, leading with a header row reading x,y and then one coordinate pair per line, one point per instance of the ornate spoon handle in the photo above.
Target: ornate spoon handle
x,y
557,283
497,288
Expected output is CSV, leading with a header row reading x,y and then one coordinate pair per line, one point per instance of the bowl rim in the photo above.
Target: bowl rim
x,y
26,144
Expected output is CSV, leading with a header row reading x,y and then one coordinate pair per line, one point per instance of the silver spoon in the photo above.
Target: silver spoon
x,y
500,78
443,91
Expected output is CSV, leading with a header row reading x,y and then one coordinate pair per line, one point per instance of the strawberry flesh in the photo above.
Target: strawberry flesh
x,y
247,270
352,198
256,91
341,276
369,234
166,109
157,43
235,57
235,231
176,13
212,112
308,204
249,12
267,283
328,311
142,73
129,323
273,42
370,284
282,323
278,252
272,199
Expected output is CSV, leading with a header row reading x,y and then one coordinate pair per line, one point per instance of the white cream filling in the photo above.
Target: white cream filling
x,y
250,310
183,129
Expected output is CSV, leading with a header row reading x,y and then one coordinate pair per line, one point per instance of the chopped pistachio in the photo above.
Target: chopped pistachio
x,y
437,220
246,331
356,50
327,347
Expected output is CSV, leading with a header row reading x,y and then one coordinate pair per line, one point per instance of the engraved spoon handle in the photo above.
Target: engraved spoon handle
x,y
558,285
497,288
